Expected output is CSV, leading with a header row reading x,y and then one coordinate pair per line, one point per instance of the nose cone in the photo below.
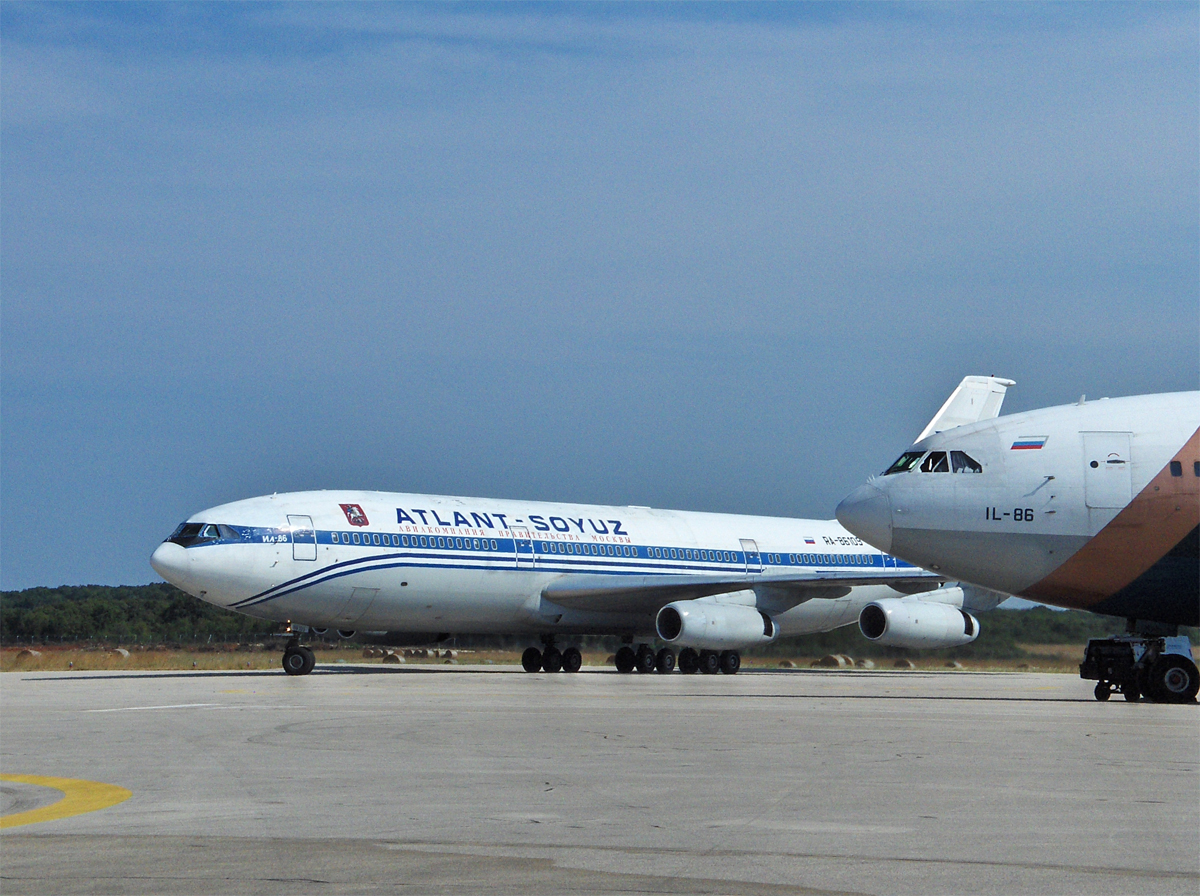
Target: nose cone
x,y
172,563
867,513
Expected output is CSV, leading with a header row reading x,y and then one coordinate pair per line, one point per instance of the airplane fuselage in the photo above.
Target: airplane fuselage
x,y
1093,506
379,561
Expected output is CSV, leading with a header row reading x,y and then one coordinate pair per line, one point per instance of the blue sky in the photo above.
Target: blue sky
x,y
725,258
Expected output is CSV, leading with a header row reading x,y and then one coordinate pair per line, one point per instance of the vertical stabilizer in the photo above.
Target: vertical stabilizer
x,y
976,398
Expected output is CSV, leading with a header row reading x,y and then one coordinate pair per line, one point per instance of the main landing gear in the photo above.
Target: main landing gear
x,y
1159,669
551,659
298,660
645,660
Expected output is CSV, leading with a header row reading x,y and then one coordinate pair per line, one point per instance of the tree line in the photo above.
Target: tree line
x,y
162,614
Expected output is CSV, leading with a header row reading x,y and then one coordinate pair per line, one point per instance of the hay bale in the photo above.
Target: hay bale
x,y
849,660
122,653
786,664
611,660
832,661
28,654
904,664
865,664
954,664
393,658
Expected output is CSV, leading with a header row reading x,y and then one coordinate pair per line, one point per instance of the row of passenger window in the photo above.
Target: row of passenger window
x,y
692,554
607,550
415,541
596,550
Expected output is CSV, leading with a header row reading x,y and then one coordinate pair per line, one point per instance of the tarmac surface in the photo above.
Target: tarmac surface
x,y
428,779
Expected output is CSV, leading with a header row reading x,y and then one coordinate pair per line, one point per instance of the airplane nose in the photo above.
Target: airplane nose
x,y
867,513
171,562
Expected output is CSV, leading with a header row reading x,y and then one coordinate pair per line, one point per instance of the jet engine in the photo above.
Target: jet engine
x,y
712,626
917,623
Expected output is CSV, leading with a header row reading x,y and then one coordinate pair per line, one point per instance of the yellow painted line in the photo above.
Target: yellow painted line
x,y
78,797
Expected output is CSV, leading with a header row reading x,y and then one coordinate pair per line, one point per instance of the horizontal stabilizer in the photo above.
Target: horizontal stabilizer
x,y
976,398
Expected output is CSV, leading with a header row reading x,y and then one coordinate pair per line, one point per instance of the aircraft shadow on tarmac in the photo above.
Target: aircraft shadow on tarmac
x,y
435,670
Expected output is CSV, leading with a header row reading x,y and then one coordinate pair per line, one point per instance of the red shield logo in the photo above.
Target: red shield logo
x,y
354,515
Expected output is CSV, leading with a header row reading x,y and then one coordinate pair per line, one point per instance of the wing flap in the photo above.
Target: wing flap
x,y
650,593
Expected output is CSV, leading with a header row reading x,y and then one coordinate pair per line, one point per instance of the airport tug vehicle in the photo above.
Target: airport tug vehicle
x,y
1159,669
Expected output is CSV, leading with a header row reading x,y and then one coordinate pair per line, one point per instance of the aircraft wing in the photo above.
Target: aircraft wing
x,y
650,593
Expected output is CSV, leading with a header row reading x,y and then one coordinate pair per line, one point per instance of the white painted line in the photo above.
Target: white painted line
x,y
170,706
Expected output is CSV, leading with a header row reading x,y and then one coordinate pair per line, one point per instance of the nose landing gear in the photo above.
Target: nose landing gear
x,y
298,660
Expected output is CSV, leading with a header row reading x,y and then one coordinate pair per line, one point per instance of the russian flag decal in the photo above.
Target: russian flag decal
x,y
810,541
1029,443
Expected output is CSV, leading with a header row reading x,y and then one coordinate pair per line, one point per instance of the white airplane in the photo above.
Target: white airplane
x,y
1093,506
422,567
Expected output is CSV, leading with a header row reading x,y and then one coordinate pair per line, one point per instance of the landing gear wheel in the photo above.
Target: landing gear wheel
x,y
1174,679
298,661
664,661
1103,691
646,660
552,660
572,659
689,661
626,659
531,660
731,661
709,662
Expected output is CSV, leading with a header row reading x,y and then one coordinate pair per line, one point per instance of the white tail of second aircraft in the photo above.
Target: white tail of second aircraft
x,y
976,398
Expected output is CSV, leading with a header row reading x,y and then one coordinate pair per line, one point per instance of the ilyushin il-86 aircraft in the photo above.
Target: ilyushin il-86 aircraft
x,y
417,568
1093,505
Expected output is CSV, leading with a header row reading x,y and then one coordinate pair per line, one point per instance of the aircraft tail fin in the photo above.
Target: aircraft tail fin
x,y
976,398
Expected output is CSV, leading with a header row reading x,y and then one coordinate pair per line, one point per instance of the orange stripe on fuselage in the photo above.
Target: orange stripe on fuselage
x,y
1165,511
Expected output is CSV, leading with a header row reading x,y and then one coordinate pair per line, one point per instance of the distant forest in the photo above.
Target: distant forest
x,y
162,614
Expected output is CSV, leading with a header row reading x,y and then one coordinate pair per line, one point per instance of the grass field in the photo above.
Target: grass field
x,y
60,658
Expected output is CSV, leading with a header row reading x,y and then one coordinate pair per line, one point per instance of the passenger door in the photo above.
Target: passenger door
x,y
304,537
523,545
753,557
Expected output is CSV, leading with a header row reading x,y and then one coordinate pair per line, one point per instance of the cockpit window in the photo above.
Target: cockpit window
x,y
961,462
906,462
190,534
936,463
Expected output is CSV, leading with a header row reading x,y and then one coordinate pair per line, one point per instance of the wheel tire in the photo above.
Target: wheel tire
x,y
1174,679
646,661
294,662
664,661
731,661
709,662
1103,691
531,660
552,660
572,659
689,661
310,660
1130,691
626,660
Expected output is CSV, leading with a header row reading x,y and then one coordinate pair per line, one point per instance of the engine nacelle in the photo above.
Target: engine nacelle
x,y
713,626
917,623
